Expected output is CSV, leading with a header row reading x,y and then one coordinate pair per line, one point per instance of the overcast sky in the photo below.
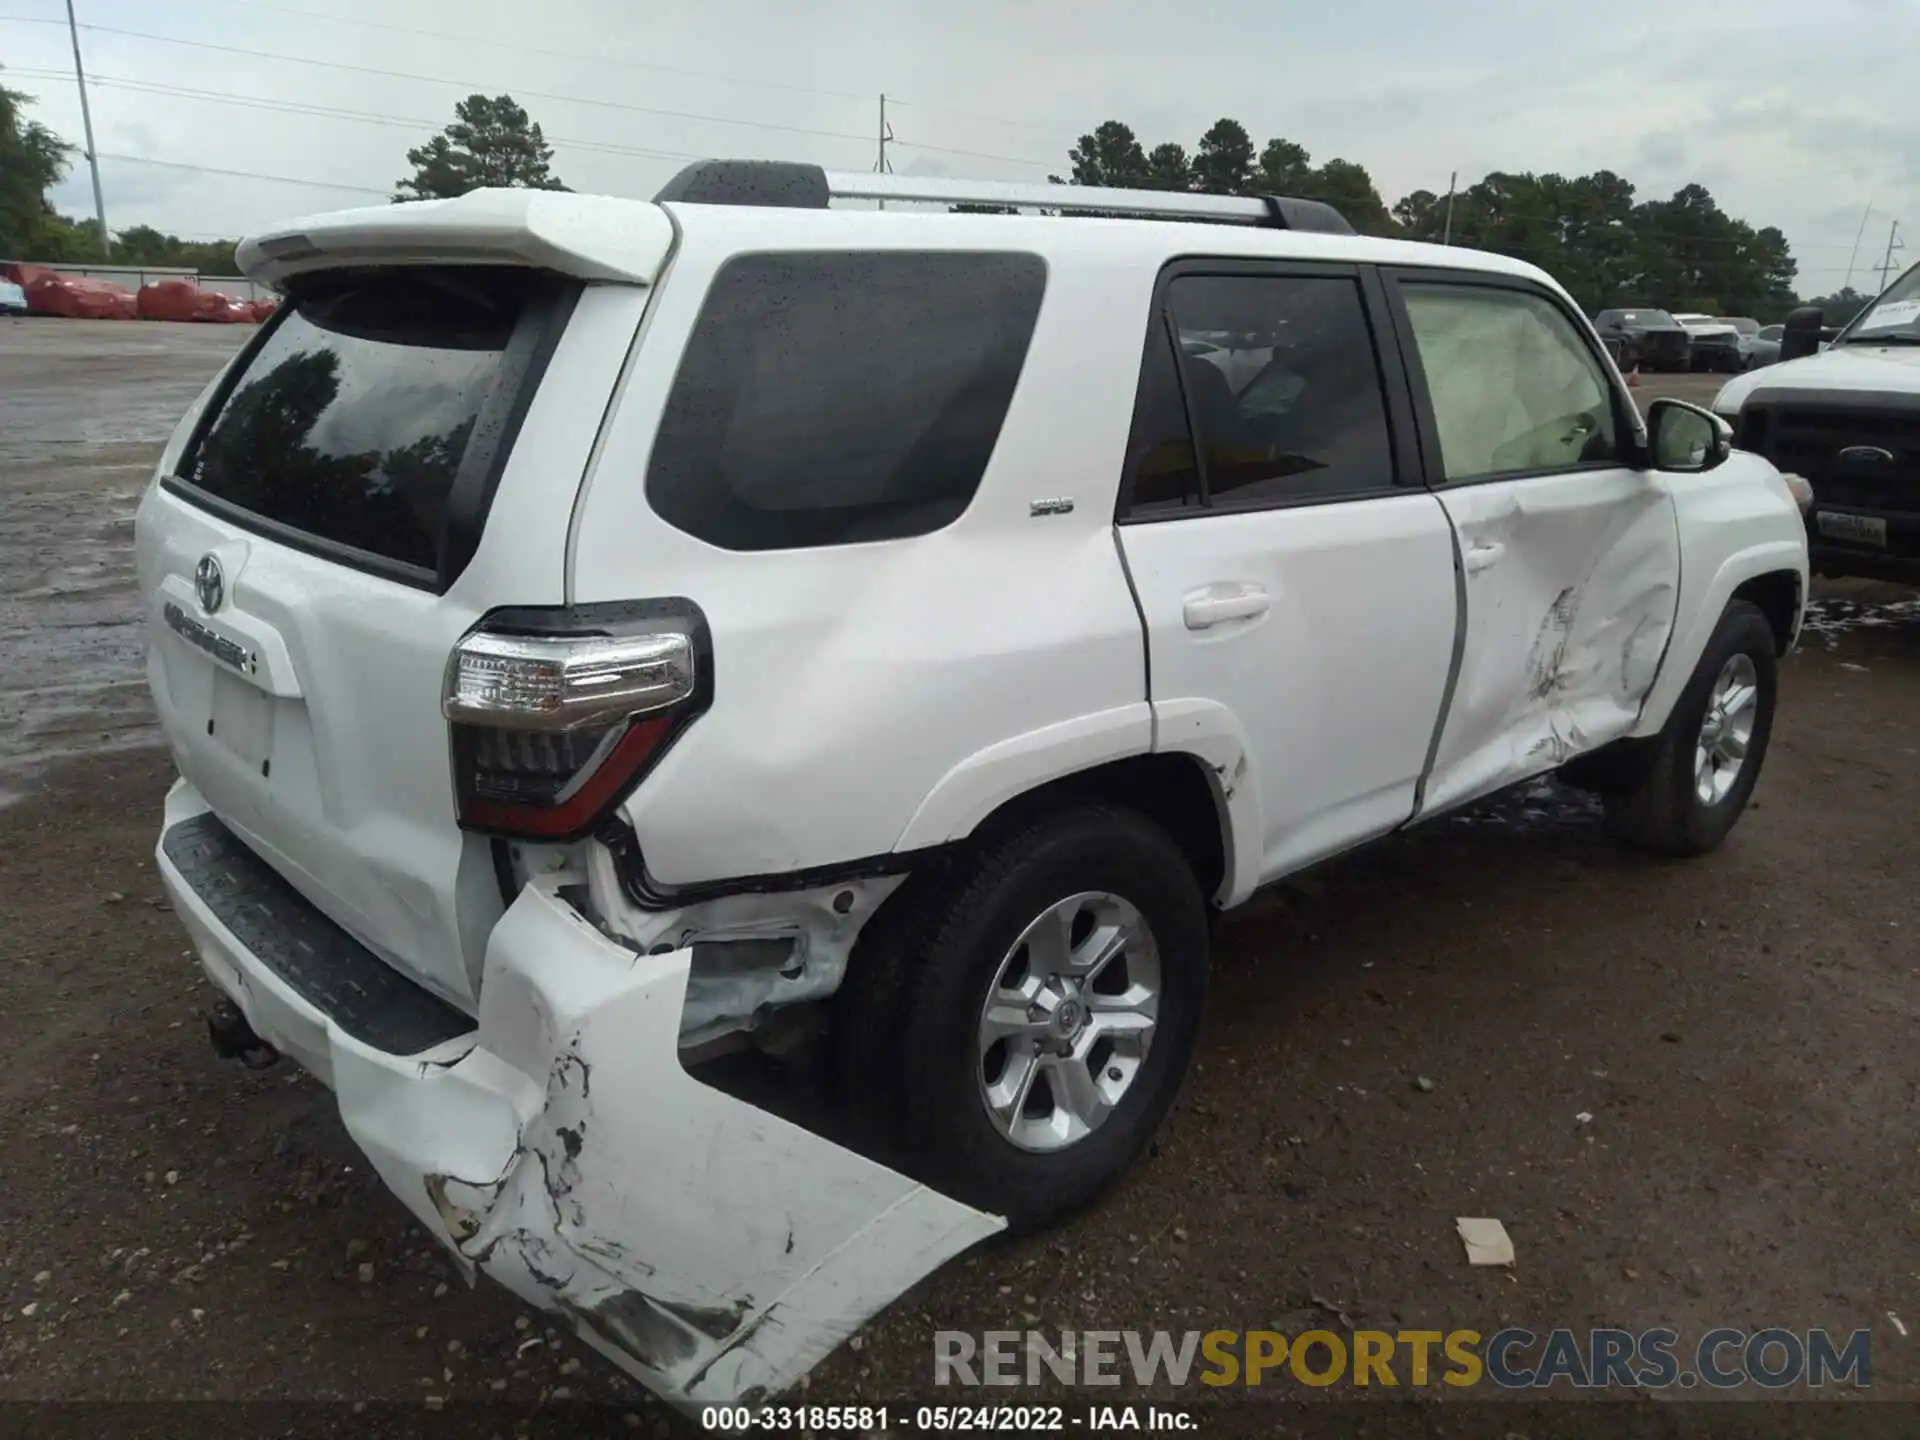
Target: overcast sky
x,y
1794,115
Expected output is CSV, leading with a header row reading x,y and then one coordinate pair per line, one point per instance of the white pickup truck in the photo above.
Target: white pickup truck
x,y
593,633
1846,416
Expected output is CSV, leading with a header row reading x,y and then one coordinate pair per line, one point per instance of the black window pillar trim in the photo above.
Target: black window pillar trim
x,y
543,323
1195,442
1407,389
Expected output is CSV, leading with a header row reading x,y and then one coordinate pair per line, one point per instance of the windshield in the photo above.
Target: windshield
x,y
1741,323
1893,318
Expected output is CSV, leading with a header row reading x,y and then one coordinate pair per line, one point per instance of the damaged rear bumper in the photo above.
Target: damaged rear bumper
x,y
713,1250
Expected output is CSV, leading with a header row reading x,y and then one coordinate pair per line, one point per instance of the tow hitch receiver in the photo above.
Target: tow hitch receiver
x,y
233,1037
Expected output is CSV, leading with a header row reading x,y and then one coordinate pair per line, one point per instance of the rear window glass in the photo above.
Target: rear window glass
x,y
825,399
352,418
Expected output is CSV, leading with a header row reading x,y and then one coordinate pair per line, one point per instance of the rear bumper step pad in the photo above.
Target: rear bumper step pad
x,y
362,994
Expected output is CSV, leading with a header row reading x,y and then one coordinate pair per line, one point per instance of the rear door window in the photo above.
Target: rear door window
x,y
1280,381
352,418
829,398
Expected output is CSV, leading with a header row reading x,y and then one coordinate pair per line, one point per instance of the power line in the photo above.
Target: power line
x,y
974,115
595,60
625,64
520,49
549,95
243,174
608,147
472,84
301,108
970,154
328,112
1894,242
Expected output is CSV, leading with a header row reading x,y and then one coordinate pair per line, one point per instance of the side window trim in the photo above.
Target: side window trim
x,y
1396,399
1626,416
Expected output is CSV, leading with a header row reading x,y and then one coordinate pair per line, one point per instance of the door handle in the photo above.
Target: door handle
x,y
1483,553
1216,604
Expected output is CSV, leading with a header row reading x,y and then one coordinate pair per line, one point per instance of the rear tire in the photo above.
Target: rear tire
x,y
995,992
1707,759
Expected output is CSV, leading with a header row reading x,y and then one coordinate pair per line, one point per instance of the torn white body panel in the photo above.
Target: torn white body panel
x,y
1571,583
759,952
709,1248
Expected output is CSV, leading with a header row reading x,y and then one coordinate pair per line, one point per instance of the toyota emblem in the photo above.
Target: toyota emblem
x,y
209,583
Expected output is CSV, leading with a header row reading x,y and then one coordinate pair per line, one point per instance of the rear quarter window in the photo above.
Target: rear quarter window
x,y
830,398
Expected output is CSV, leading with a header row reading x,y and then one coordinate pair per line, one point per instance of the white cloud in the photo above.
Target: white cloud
x,y
1751,97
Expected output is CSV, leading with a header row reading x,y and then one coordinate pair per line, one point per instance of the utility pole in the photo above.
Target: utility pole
x,y
882,165
86,125
1452,179
1856,246
1894,242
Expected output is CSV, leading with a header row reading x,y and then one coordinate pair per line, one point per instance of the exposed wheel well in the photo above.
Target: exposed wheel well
x,y
1171,789
1778,596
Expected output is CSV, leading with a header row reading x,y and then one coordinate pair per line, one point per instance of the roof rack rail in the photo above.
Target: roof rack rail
x,y
773,182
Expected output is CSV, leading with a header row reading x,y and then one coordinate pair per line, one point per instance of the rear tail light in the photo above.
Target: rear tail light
x,y
555,715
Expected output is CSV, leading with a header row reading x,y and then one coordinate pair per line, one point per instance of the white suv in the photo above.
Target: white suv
x,y
594,633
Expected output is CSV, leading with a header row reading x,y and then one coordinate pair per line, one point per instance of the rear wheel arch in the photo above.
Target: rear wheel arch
x,y
906,1015
1174,789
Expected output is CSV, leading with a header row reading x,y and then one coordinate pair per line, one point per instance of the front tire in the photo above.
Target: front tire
x,y
1042,1013
1707,759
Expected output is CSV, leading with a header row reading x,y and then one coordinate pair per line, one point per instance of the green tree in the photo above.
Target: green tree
x,y
1224,164
1111,155
1287,169
491,142
1696,257
32,160
1840,307
1420,213
1168,168
1223,161
61,240
144,245
1589,231
1608,249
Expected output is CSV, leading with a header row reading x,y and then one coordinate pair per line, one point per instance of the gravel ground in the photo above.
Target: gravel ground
x,y
1395,1039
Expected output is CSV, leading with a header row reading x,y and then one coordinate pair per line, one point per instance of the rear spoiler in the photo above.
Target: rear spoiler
x,y
590,237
